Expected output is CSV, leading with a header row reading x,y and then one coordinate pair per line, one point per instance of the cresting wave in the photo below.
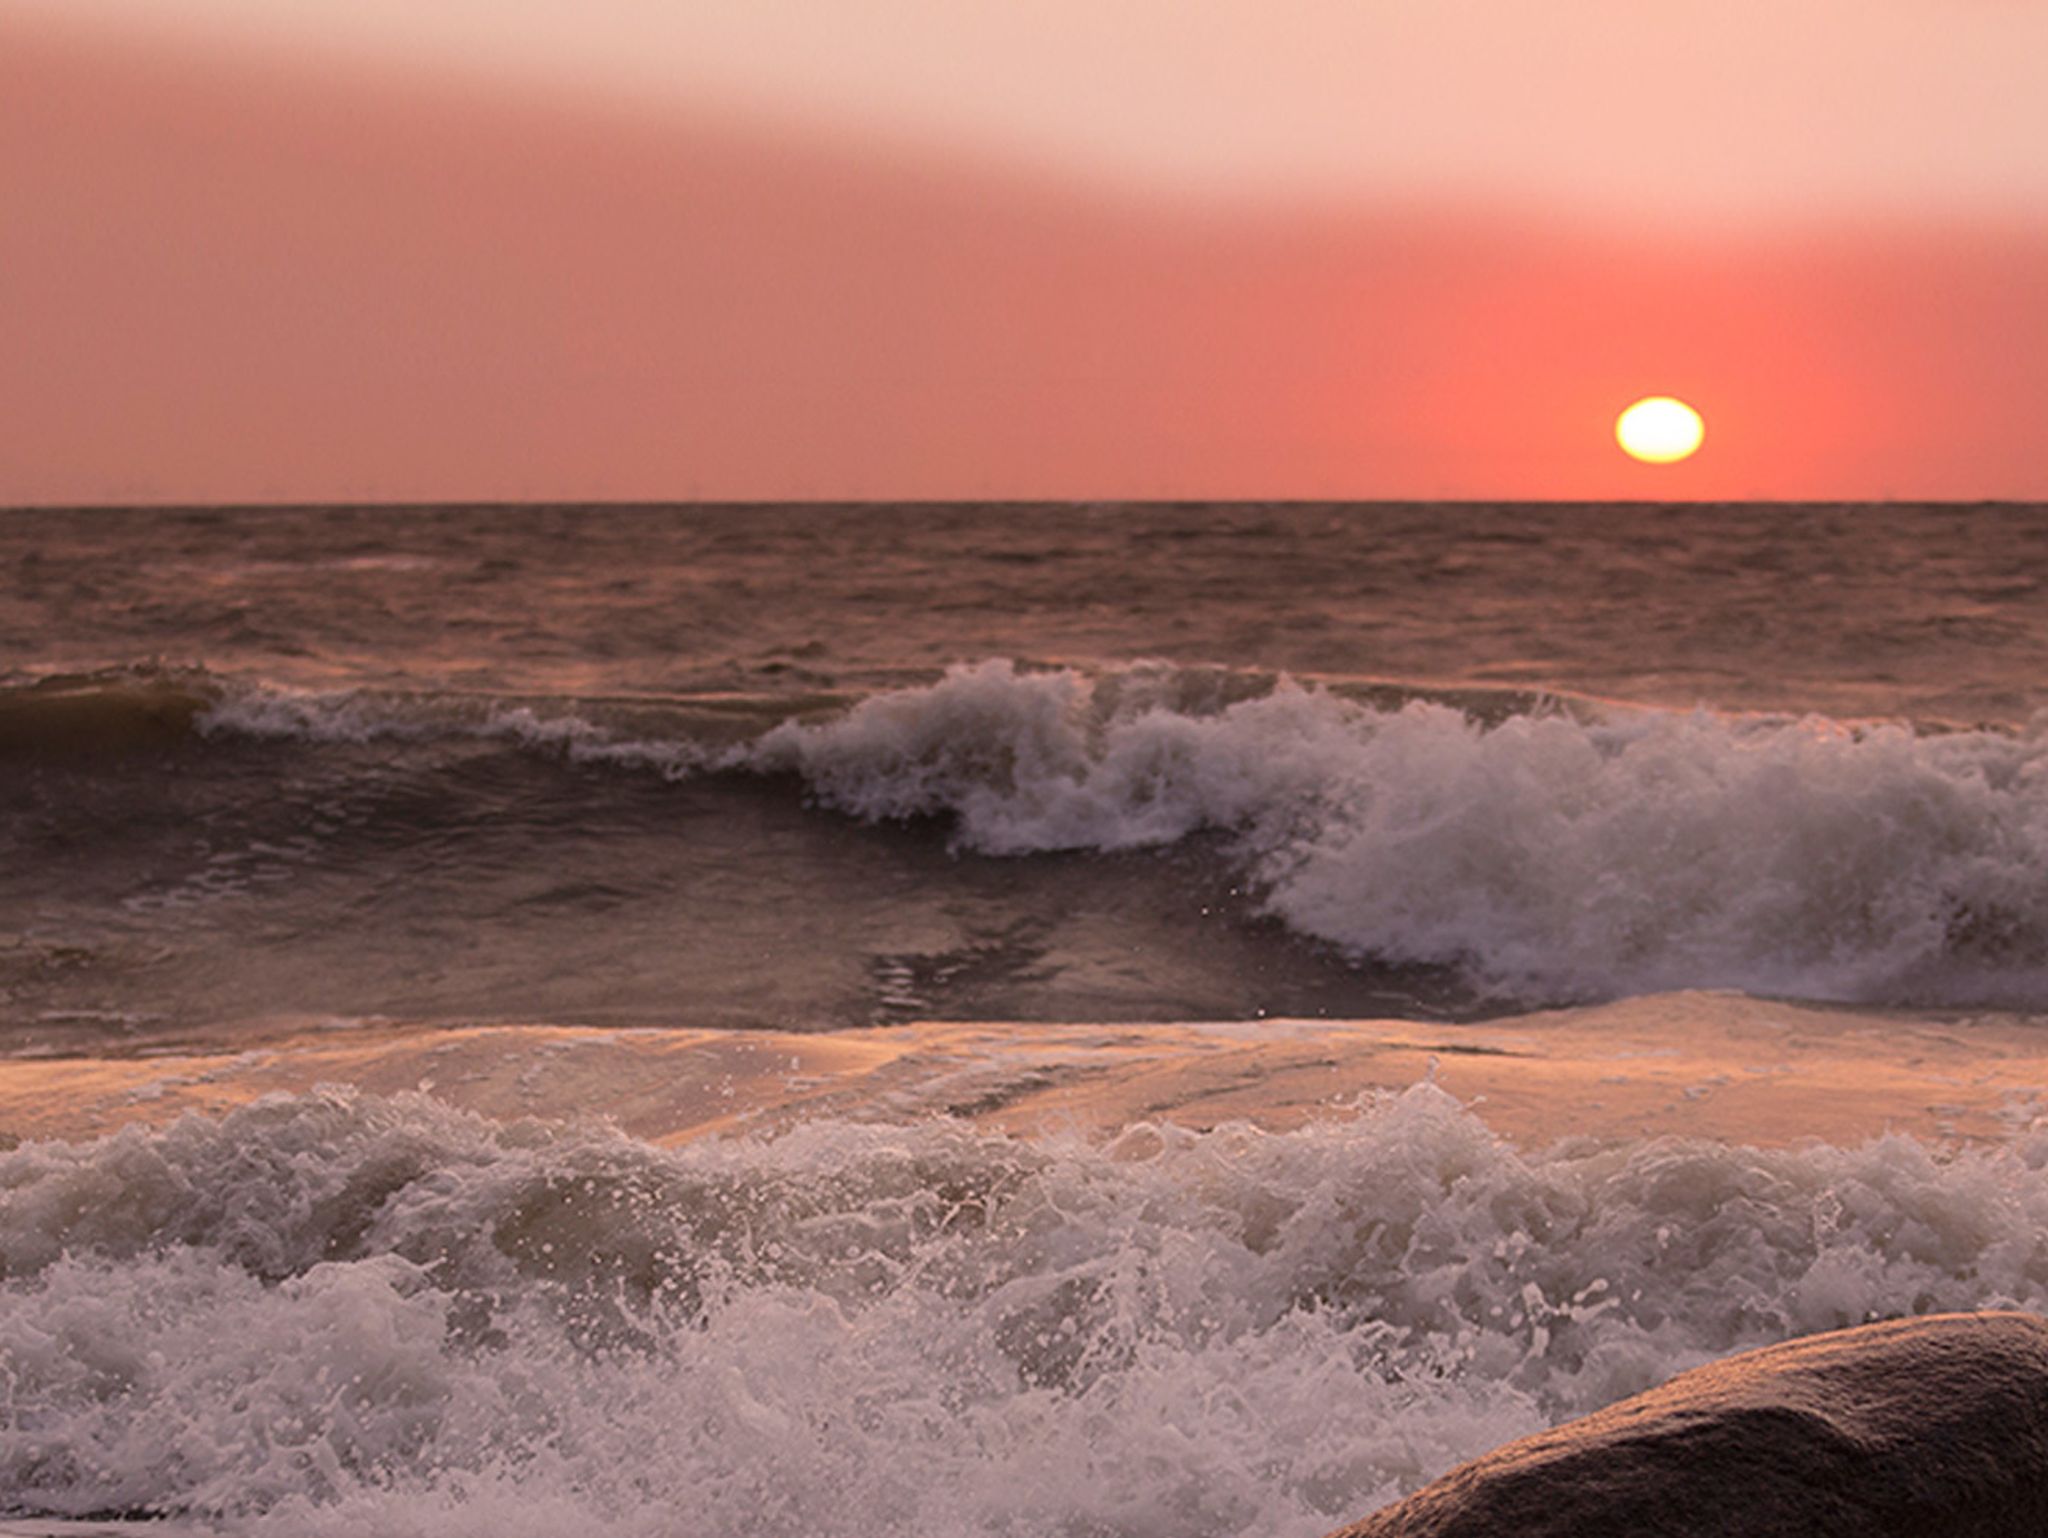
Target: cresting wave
x,y
352,1315
70,714
1546,853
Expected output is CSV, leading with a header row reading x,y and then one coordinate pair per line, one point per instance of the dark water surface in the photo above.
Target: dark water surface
x,y
1927,612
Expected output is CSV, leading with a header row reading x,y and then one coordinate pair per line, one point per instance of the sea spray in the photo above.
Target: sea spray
x,y
334,1309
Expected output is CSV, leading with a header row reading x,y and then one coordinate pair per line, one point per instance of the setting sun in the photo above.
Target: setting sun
x,y
1659,430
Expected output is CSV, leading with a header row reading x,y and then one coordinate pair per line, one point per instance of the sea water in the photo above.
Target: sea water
x,y
428,800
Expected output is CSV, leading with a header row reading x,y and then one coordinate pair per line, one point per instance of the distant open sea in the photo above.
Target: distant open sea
x,y
920,1018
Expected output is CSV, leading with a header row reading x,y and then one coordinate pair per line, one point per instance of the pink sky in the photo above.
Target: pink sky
x,y
318,267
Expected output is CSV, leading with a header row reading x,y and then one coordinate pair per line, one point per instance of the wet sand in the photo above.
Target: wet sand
x,y
1706,1065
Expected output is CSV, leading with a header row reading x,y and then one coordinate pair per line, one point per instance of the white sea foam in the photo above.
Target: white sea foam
x,y
324,1314
1546,855
354,716
585,742
316,715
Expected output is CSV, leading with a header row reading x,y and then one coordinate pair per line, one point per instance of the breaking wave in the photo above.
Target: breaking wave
x,y
1547,852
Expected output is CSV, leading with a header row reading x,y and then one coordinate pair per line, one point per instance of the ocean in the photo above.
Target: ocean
x,y
1082,1020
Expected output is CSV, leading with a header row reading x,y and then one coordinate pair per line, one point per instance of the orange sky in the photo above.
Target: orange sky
x,y
318,276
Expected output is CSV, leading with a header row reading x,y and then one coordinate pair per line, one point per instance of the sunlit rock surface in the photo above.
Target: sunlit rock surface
x,y
1914,1428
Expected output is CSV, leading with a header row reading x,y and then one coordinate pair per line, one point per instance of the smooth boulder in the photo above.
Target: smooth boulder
x,y
1914,1428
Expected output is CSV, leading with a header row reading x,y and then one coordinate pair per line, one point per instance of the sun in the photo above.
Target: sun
x,y
1659,430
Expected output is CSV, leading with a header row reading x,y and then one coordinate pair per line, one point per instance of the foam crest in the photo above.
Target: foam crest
x,y
586,742
358,716
1546,855
332,1314
316,715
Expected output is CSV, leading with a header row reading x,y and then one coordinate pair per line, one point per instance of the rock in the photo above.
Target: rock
x,y
1915,1428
